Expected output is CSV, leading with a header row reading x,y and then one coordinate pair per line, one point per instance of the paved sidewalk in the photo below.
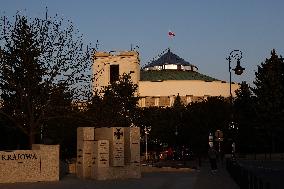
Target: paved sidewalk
x,y
202,179
219,180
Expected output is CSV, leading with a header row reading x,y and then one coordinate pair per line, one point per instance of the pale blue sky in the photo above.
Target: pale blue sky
x,y
206,30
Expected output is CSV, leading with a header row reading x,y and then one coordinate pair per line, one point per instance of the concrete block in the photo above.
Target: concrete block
x,y
125,172
49,162
84,166
85,133
101,173
85,146
132,145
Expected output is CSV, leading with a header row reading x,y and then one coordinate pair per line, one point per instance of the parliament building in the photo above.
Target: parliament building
x,y
160,81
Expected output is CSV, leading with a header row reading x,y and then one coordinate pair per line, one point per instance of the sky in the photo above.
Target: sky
x,y
206,30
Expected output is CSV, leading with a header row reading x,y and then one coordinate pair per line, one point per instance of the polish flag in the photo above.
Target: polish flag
x,y
171,34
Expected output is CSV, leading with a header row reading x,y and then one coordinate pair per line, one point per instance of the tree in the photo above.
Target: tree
x,y
203,117
176,115
10,137
166,123
269,91
117,106
245,118
178,103
40,60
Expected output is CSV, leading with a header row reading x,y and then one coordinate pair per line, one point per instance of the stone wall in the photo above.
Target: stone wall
x,y
39,164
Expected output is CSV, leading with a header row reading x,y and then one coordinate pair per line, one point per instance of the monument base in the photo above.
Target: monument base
x,y
109,173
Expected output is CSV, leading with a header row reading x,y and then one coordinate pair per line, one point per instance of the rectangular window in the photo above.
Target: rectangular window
x,y
114,73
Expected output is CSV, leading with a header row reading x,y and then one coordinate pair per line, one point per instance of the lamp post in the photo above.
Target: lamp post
x,y
147,132
234,55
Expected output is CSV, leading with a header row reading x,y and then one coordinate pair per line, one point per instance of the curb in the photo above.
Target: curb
x,y
148,169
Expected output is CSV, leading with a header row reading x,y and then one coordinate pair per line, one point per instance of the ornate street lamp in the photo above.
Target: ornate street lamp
x,y
234,55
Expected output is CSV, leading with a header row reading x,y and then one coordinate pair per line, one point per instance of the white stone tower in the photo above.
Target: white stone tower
x,y
108,66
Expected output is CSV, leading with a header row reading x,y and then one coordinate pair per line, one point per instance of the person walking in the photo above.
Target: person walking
x,y
212,154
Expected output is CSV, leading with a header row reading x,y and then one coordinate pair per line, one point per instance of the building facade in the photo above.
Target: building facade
x,y
160,81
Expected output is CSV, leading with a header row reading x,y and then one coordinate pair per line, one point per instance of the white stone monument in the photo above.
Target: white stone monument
x,y
108,153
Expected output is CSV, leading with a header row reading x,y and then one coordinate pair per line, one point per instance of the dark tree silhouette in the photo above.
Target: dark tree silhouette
x,y
245,117
115,105
269,91
41,60
204,117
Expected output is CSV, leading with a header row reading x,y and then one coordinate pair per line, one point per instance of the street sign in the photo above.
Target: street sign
x,y
219,138
219,134
210,140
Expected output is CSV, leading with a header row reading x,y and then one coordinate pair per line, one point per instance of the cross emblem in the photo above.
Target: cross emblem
x,y
117,133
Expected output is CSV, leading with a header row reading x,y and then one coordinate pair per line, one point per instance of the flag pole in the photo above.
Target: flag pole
x,y
171,35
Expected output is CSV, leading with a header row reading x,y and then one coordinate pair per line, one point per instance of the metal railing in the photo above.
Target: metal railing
x,y
252,177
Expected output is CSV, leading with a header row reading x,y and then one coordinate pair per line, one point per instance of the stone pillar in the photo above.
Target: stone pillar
x,y
132,145
100,163
132,152
85,145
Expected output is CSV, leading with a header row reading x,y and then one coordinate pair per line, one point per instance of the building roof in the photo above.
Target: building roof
x,y
155,75
169,58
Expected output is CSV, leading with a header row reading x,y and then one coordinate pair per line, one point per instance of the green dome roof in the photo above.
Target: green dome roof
x,y
155,75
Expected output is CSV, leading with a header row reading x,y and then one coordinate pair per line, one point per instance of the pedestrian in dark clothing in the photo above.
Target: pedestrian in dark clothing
x,y
212,154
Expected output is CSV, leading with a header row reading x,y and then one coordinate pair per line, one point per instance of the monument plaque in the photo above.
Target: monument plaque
x,y
115,135
100,155
100,163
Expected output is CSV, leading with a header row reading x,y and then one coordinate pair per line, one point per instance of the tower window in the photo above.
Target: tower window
x,y
114,73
